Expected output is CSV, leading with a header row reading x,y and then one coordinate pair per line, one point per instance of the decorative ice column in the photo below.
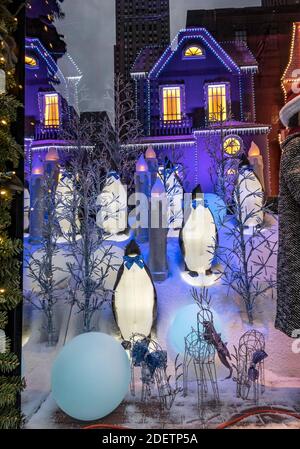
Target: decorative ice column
x,y
51,164
142,180
256,160
152,162
158,230
36,202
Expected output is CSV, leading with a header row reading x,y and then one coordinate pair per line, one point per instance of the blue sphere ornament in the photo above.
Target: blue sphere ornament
x,y
90,376
182,324
217,207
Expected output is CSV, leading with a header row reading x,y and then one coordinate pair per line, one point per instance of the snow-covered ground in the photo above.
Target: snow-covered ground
x,y
282,365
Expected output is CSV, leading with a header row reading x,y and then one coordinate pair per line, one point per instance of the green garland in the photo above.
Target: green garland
x,y
10,293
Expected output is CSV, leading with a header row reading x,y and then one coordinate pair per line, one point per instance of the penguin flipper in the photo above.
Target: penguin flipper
x,y
119,275
155,296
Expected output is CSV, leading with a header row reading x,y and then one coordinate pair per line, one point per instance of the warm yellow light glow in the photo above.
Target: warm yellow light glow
x,y
150,153
29,60
231,172
52,155
2,290
4,122
141,165
51,117
254,150
217,104
38,170
3,192
232,145
194,50
171,103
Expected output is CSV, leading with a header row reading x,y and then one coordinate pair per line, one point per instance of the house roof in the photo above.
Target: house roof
x,y
146,59
240,53
204,36
235,55
69,67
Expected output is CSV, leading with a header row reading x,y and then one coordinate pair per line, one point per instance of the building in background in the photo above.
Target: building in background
x,y
185,99
267,31
280,2
139,24
51,77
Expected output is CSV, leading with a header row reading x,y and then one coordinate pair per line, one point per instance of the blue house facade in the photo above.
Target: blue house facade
x,y
194,92
49,102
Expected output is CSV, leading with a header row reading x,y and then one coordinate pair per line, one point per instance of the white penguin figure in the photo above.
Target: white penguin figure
x,y
112,216
175,195
251,194
134,298
26,209
198,237
63,198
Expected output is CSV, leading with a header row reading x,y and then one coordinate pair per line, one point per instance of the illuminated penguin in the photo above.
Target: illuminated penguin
x,y
112,216
134,298
251,194
175,195
198,237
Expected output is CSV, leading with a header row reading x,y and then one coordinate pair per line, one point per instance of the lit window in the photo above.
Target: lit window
x,y
193,51
232,145
217,102
51,110
171,103
30,61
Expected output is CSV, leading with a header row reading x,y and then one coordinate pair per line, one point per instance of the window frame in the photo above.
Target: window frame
x,y
239,139
193,57
227,96
42,103
161,101
31,67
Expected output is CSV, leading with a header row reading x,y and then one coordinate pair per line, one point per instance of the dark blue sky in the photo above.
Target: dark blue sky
x,y
89,29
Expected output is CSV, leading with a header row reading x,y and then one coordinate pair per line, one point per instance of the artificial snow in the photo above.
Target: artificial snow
x,y
282,365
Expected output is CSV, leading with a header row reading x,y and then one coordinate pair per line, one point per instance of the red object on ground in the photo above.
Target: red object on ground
x,y
257,411
104,426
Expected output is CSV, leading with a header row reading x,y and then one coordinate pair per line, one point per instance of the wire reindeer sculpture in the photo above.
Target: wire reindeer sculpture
x,y
148,356
249,365
200,351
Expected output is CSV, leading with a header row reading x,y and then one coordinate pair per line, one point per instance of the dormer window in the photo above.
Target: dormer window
x,y
193,52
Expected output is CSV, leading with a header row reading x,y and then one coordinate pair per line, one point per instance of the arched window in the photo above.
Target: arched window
x,y
31,62
193,51
232,145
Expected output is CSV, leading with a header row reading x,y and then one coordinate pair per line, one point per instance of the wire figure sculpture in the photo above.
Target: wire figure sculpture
x,y
200,352
250,370
148,356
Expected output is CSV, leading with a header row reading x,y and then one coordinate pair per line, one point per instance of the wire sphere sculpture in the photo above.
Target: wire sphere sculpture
x,y
200,354
250,356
